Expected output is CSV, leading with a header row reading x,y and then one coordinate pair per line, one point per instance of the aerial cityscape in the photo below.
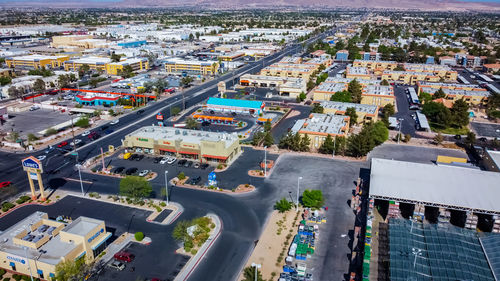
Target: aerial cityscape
x,y
250,141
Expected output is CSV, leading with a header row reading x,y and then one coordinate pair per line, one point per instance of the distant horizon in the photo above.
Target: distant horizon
x,y
104,1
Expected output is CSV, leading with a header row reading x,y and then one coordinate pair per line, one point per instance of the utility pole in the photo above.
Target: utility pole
x,y
265,161
298,189
166,185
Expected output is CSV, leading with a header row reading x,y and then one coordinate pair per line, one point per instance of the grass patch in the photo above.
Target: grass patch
x,y
450,130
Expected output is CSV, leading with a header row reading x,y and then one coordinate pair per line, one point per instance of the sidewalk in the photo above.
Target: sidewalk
x,y
194,261
116,247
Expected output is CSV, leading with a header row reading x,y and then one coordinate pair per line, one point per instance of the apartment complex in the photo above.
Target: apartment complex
x,y
471,93
442,71
360,73
94,63
114,68
191,144
36,61
378,95
179,65
365,112
375,65
303,71
318,126
36,244
325,90
410,78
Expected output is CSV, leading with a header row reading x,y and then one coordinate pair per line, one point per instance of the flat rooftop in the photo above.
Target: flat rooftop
x,y
459,92
331,87
425,67
190,62
441,186
235,103
36,58
450,85
90,60
357,70
378,90
375,61
185,135
348,80
343,106
322,123
82,225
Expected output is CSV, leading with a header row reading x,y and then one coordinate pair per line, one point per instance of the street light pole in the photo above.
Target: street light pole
x,y
298,189
256,265
400,125
416,252
166,186
80,175
28,261
265,161
334,146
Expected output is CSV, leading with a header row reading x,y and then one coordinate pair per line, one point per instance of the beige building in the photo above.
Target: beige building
x,y
179,65
78,42
325,90
184,143
410,78
38,244
318,126
360,73
289,70
365,112
378,95
287,86
94,63
471,93
375,65
442,71
36,61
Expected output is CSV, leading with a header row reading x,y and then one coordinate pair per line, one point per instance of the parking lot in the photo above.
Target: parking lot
x,y
403,111
488,130
34,121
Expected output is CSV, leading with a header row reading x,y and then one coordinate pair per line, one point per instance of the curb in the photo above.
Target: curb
x,y
23,205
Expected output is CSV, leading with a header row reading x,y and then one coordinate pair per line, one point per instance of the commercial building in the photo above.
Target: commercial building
x,y
6,72
471,93
446,60
36,244
491,160
234,105
200,67
318,126
359,73
114,68
289,70
325,60
69,40
132,44
94,63
36,61
342,55
373,56
325,90
491,67
97,99
375,65
378,95
287,86
191,144
365,112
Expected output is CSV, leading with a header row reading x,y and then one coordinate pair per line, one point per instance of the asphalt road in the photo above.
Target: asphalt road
x,y
403,111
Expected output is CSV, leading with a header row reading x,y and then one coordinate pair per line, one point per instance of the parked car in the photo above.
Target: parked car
x,y
164,160
181,163
75,142
5,183
49,149
157,160
117,265
140,111
124,256
143,173
103,128
35,107
114,122
196,165
196,180
171,160
204,166
133,156
118,170
62,144
130,171
93,135
188,164
109,131
86,133
139,157
41,157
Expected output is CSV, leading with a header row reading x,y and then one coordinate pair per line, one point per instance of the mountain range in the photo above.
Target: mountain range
x,y
431,5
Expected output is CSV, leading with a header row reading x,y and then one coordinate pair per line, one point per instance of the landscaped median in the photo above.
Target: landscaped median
x,y
182,181
196,236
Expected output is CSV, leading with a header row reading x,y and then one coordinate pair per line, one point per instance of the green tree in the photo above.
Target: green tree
x,y
460,113
14,92
135,187
32,137
180,231
438,114
39,86
186,81
50,131
175,110
84,68
321,78
139,236
267,126
115,57
83,123
191,123
312,198
283,205
13,136
439,94
384,83
379,132
425,97
305,142
399,68
268,139
301,97
327,146
343,96
470,139
249,274
355,89
70,269
317,108
353,117
93,82
4,80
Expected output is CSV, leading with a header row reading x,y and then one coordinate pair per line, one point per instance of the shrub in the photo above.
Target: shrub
x,y
139,236
312,198
163,204
194,251
181,176
2,272
22,200
16,277
6,279
220,166
158,209
7,206
283,205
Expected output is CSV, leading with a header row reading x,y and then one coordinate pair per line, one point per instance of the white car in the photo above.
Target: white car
x,y
171,160
143,173
41,157
86,133
164,160
114,122
117,265
75,142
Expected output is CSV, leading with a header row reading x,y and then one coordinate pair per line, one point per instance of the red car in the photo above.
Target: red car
x,y
124,256
64,143
5,183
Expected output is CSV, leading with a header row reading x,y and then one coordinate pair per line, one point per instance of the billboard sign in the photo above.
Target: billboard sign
x,y
31,163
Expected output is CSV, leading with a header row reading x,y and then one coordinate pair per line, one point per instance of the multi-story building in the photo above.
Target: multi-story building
x,y
375,65
410,78
179,65
97,99
36,61
373,56
318,126
36,244
446,60
289,70
470,61
342,55
191,144
471,93
325,90
94,63
69,40
360,73
325,60
114,68
378,95
442,71
365,112
491,67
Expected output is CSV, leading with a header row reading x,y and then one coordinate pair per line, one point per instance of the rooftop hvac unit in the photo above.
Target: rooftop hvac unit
x,y
177,132
184,133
